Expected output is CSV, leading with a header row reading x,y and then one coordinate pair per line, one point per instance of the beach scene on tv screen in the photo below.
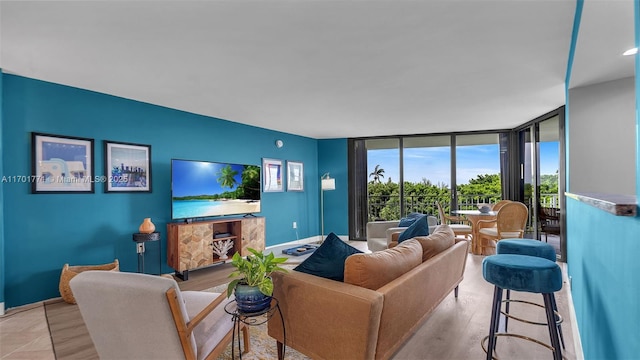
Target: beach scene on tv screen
x,y
202,189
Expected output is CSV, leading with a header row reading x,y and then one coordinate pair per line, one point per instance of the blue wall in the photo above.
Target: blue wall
x,y
2,272
602,258
333,159
44,231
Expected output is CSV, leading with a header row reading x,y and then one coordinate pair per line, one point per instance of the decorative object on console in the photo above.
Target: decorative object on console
x,y
127,167
256,271
326,183
147,227
222,247
61,164
295,176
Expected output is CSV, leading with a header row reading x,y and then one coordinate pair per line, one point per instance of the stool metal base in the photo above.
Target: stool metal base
x,y
483,342
507,315
496,310
558,316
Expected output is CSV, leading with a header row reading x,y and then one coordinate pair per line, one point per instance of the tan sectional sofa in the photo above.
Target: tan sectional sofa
x,y
385,297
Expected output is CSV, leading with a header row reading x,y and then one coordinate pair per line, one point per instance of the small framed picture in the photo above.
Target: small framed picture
x,y
295,176
127,167
272,175
61,164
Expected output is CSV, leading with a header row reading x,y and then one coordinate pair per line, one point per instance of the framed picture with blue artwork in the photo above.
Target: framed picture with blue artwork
x,y
61,164
127,167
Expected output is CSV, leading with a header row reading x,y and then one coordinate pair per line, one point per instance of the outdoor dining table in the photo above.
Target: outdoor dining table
x,y
474,216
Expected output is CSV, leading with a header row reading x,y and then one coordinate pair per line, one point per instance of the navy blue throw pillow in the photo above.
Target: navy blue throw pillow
x,y
327,261
410,219
419,228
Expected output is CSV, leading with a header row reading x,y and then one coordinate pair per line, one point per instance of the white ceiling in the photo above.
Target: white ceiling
x,y
324,69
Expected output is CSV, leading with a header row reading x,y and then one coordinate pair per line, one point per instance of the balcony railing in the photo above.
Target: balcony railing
x,y
387,207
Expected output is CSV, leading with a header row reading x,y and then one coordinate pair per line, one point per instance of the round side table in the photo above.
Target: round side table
x,y
140,239
252,319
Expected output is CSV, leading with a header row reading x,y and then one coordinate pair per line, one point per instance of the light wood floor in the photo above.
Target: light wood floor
x,y
453,331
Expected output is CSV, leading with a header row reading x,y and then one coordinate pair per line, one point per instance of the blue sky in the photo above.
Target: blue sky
x,y
433,163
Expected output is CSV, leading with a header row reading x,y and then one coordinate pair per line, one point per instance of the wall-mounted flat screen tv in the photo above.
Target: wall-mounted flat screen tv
x,y
203,189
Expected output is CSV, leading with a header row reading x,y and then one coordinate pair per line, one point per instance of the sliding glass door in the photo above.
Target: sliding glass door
x,y
541,179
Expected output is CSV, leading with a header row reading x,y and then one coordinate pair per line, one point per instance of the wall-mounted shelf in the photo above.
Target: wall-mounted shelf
x,y
619,205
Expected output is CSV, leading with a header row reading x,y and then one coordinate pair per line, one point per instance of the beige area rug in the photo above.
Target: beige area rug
x,y
263,347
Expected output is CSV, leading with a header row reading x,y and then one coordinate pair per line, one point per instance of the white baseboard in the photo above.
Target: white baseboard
x,y
577,343
1,308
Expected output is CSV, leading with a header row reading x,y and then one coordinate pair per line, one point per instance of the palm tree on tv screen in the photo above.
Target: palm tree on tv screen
x,y
251,182
226,177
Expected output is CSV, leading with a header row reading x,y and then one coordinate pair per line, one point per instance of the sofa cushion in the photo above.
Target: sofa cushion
x,y
442,238
374,270
420,227
327,261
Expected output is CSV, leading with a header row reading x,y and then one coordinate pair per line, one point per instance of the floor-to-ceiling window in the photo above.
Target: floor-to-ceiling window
x,y
411,173
383,183
426,173
393,176
478,173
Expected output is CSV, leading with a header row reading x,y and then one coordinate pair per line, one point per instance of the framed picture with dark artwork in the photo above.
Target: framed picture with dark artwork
x,y
61,164
295,176
127,167
272,175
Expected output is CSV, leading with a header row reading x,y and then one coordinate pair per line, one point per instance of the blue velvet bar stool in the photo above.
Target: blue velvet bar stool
x,y
532,248
522,273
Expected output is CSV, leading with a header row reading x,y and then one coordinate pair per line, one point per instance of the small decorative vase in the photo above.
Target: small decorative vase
x,y
250,300
147,226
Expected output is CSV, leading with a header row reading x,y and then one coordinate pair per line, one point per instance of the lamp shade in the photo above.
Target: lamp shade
x,y
328,184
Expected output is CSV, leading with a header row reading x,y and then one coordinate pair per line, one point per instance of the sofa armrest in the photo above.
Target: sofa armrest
x,y
326,319
393,233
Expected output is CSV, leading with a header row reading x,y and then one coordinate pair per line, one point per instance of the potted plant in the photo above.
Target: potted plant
x,y
254,287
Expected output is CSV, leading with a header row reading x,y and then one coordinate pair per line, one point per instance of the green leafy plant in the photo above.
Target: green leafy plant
x,y
255,270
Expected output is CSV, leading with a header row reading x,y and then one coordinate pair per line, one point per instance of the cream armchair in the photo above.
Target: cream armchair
x,y
381,234
139,316
377,233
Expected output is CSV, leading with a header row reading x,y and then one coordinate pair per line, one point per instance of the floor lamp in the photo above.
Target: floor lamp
x,y
326,183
